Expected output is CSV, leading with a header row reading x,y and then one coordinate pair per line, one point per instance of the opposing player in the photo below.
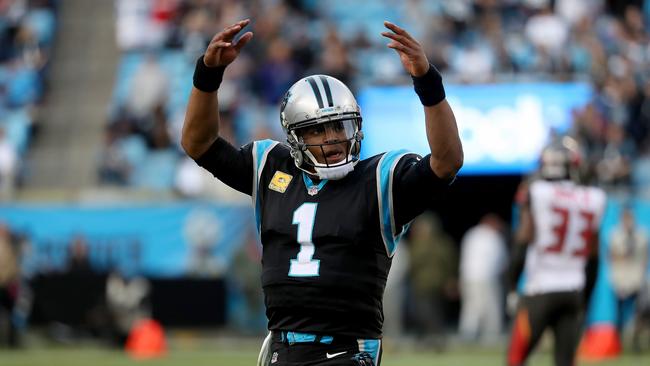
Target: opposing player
x,y
557,238
329,222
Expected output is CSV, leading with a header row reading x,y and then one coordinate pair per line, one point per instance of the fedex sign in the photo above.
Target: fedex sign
x,y
503,127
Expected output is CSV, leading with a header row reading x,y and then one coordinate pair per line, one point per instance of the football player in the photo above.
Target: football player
x,y
328,222
557,242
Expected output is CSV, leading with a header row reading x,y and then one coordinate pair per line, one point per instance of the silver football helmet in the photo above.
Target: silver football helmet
x,y
561,160
321,101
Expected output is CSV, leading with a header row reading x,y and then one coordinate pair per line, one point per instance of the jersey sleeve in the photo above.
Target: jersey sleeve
x,y
406,186
238,168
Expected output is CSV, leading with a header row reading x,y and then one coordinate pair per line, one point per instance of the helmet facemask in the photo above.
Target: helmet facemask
x,y
337,143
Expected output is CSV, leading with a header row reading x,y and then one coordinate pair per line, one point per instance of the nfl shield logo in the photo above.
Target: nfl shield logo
x,y
313,190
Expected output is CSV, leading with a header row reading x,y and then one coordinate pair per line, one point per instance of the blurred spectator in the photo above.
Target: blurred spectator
x,y
78,257
474,63
483,260
334,59
158,136
614,169
548,33
277,72
9,279
628,257
203,230
8,167
26,33
23,87
243,279
641,175
128,301
639,124
193,34
149,90
124,152
574,11
433,277
395,295
137,25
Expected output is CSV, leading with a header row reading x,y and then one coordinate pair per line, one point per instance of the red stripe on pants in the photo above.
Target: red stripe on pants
x,y
520,340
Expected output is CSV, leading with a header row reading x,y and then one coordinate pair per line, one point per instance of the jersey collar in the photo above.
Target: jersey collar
x,y
312,188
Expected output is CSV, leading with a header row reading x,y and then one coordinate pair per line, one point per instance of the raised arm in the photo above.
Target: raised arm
x,y
201,126
442,132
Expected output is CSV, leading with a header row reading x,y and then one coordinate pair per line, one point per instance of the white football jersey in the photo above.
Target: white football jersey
x,y
565,216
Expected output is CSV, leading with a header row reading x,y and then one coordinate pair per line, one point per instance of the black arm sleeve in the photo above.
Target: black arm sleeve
x,y
230,165
591,272
415,188
517,262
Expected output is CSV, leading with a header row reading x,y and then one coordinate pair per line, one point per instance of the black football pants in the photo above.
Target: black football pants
x,y
561,311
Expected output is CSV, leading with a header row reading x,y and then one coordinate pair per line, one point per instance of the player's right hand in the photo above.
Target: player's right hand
x,y
222,49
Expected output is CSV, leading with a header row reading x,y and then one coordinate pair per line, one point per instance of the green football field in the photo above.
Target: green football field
x,y
246,356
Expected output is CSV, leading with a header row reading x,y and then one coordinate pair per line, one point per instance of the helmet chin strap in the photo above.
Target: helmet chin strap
x,y
331,172
335,173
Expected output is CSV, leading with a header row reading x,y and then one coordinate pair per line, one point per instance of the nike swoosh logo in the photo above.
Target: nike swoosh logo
x,y
335,354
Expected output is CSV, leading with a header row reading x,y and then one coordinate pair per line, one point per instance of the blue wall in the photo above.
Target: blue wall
x,y
157,240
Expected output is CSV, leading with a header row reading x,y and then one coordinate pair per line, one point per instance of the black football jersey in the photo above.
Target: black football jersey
x,y
327,245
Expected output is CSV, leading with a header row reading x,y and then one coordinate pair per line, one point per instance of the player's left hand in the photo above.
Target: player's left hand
x,y
409,50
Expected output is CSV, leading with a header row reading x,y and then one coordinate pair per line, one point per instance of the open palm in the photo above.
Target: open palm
x,y
222,51
409,50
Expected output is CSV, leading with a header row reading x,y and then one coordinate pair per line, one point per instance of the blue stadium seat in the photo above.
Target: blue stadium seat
x,y
158,170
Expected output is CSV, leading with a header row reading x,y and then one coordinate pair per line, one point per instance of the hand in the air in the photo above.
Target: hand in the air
x,y
409,50
222,50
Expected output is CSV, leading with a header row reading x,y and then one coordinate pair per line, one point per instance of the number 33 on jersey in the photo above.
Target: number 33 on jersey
x,y
566,217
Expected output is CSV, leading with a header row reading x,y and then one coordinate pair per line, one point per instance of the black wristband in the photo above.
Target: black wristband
x,y
207,79
429,87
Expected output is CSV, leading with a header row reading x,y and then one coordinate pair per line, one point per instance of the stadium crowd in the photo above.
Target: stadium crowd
x,y
27,31
481,41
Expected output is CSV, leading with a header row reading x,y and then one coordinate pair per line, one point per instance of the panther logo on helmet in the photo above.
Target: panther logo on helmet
x,y
321,102
285,99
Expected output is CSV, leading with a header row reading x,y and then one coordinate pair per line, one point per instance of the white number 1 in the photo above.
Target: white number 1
x,y
304,265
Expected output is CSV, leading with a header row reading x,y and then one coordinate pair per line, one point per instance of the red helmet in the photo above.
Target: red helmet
x,y
561,160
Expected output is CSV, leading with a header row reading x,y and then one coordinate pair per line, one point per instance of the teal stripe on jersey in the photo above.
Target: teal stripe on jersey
x,y
385,170
310,183
261,150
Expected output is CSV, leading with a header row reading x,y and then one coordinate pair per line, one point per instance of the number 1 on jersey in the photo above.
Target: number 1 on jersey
x,y
304,266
